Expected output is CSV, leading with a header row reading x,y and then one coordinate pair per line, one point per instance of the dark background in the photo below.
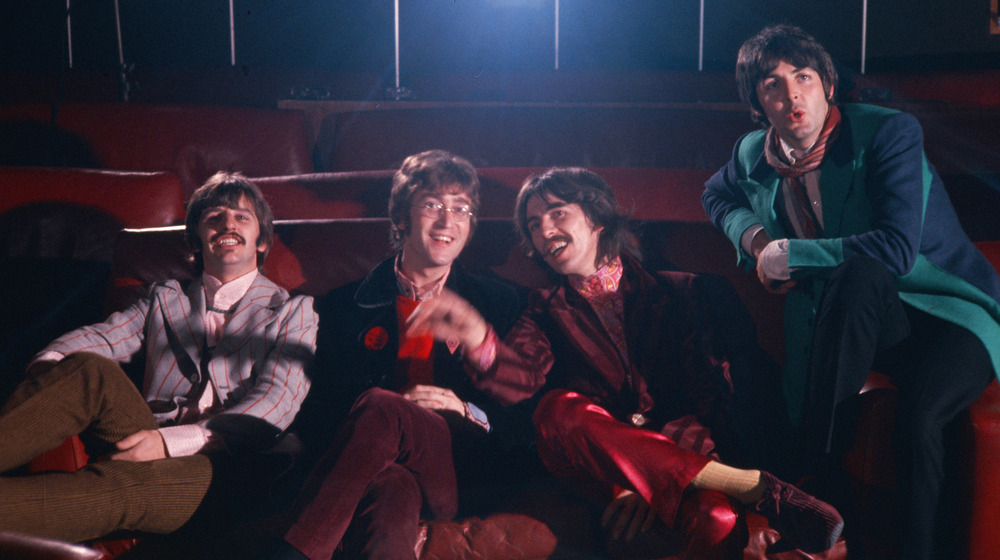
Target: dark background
x,y
479,36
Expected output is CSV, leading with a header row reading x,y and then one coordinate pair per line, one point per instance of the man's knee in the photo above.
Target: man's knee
x,y
864,289
560,412
381,406
89,373
94,368
860,275
379,399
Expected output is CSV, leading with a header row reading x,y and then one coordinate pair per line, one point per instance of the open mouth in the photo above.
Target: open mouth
x,y
555,248
227,240
442,239
797,114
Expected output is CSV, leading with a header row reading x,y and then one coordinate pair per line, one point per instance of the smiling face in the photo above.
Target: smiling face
x,y
229,240
433,238
795,103
562,235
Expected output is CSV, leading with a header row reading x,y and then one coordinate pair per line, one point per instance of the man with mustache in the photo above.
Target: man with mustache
x,y
632,391
424,426
223,356
837,207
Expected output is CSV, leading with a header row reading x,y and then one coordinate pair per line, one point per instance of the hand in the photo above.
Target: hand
x,y
449,316
772,267
435,398
144,445
772,285
629,513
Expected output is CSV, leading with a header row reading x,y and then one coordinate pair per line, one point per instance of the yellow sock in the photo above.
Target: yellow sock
x,y
742,484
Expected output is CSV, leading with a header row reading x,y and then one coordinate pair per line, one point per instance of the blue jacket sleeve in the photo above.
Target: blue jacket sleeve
x,y
728,207
897,182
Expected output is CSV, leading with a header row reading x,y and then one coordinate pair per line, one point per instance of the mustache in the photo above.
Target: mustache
x,y
238,237
548,242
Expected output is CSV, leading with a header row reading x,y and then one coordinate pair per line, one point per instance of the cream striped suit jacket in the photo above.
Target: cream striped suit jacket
x,y
257,367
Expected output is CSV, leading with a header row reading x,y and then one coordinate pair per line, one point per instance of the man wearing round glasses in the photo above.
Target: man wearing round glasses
x,y
424,423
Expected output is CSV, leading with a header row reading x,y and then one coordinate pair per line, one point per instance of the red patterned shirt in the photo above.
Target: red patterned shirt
x,y
600,289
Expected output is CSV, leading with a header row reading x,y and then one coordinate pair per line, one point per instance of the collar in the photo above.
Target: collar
x,y
603,282
418,293
791,154
223,298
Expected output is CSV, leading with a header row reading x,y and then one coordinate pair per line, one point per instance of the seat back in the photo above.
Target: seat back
x,y
57,231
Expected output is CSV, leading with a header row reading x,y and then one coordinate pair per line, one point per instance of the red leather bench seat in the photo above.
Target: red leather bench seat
x,y
314,256
192,141
57,231
984,490
649,193
972,88
136,199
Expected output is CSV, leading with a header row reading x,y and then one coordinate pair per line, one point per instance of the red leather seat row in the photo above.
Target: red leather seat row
x,y
191,141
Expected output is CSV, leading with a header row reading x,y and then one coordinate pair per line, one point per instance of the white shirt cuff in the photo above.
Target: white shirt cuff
x,y
50,356
746,240
185,440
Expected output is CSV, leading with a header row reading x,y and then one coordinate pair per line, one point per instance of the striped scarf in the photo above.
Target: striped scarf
x,y
792,173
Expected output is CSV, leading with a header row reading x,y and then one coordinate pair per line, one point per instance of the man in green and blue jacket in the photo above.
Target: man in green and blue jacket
x,y
838,207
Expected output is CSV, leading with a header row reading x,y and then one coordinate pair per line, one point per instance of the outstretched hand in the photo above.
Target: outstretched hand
x,y
144,445
449,316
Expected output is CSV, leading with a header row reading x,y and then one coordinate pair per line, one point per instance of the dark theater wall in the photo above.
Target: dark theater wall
x,y
483,35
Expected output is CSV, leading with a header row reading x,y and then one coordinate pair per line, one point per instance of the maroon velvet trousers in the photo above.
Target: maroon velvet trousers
x,y
390,459
577,437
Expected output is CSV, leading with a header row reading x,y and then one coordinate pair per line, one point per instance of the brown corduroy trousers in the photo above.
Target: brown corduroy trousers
x,y
91,396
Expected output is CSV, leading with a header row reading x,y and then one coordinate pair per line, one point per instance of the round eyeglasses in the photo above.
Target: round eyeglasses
x,y
436,210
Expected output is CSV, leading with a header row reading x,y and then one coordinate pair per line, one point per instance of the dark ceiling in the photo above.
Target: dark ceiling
x,y
485,35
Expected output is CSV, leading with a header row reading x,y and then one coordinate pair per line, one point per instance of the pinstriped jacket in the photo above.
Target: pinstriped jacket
x,y
257,367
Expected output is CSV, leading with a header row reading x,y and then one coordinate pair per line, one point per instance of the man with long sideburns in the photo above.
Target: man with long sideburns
x,y
631,391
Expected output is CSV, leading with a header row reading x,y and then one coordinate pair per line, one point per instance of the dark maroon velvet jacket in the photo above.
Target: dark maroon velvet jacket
x,y
676,382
